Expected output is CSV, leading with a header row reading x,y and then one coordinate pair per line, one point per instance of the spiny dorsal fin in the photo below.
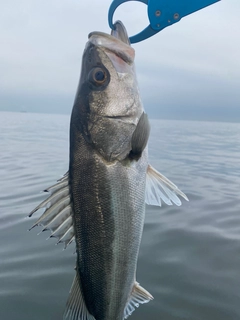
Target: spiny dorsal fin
x,y
139,296
140,137
76,308
158,188
58,214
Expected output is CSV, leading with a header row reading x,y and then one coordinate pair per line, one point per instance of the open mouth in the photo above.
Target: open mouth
x,y
119,33
116,46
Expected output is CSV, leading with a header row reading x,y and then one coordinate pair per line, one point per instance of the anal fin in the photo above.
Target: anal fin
x,y
76,308
139,296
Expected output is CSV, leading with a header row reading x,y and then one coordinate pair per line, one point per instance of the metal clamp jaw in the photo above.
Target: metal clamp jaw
x,y
161,14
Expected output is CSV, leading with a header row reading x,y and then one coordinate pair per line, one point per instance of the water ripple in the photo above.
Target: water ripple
x,y
190,255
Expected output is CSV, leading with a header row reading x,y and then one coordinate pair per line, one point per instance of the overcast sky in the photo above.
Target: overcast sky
x,y
188,70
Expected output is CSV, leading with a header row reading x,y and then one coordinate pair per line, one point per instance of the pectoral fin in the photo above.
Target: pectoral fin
x,y
139,296
158,188
140,137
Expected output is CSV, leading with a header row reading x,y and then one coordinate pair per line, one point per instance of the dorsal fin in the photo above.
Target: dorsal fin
x,y
58,214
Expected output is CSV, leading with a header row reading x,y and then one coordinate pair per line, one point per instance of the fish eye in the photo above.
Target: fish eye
x,y
98,76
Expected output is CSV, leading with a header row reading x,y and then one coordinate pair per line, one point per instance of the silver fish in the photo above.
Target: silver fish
x,y
100,202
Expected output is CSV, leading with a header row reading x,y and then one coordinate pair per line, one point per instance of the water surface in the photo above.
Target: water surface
x,y
190,255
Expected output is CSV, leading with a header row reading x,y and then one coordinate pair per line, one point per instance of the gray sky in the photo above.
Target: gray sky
x,y
189,70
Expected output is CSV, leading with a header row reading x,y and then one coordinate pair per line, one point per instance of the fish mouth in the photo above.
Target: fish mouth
x,y
117,43
120,32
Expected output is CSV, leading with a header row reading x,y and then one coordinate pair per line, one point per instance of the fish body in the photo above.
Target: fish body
x,y
107,183
100,202
108,228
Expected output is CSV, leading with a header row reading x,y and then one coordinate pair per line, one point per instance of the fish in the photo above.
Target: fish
x,y
100,202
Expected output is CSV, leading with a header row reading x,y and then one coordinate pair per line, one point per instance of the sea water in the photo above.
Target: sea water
x,y
190,255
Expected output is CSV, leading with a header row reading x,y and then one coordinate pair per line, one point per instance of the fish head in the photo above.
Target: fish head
x,y
107,106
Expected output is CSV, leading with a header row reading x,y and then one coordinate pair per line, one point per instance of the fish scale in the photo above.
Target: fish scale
x,y
104,226
91,226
